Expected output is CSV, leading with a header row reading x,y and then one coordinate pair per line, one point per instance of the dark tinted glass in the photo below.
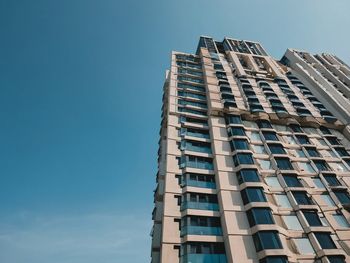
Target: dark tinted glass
x,y
292,181
312,218
325,240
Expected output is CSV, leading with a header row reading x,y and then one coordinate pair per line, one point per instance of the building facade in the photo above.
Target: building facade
x,y
253,160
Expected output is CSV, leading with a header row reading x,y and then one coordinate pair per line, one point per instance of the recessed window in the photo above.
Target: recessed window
x,y
273,182
333,140
267,240
341,151
255,136
325,240
321,165
300,153
259,149
264,124
259,215
283,201
322,142
306,167
295,128
248,175
327,199
304,246
243,158
236,131
325,130
292,222
343,197
274,259
292,181
312,218
332,180
239,144
340,167
233,119
253,194
270,136
290,139
318,183
276,149
341,220
336,259
302,198
302,139
284,164
312,152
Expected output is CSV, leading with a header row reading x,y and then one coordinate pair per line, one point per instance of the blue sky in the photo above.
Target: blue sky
x,y
80,99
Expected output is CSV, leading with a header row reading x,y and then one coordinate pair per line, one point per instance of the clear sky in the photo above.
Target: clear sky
x,y
80,99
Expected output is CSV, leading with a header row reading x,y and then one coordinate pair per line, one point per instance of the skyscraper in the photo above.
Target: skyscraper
x,y
253,160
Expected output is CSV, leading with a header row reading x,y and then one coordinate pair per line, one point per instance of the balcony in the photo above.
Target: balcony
x,y
200,206
200,149
198,165
201,184
201,230
203,258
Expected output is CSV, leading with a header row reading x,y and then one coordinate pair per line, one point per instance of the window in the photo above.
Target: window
x,y
264,124
292,181
310,130
341,151
325,240
306,167
327,199
336,259
312,152
343,197
276,149
254,136
239,144
259,149
302,139
331,180
250,124
295,128
284,164
304,246
290,139
259,215
312,218
236,131
233,119
202,248
292,222
270,136
274,259
283,201
321,165
318,183
248,175
325,130
333,140
273,182
300,153
340,167
243,158
253,194
341,220
322,142
265,164
301,198
267,240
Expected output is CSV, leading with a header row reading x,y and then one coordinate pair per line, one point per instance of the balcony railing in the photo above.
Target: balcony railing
x,y
200,206
201,184
203,258
201,230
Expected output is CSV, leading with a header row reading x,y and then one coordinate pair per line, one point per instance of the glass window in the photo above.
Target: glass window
x,y
312,218
318,183
243,158
322,142
302,139
304,246
259,149
341,151
276,149
284,164
267,240
327,199
250,124
236,131
300,153
274,259
272,181
239,144
270,136
343,197
321,165
302,198
264,124
325,240
233,119
283,201
248,175
255,136
310,130
292,222
341,220
253,194
325,130
265,164
295,128
292,181
333,140
306,167
289,139
332,180
340,167
260,215
336,259
280,128
312,152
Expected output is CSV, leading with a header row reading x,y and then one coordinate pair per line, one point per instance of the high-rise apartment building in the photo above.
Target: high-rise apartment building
x,y
253,160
